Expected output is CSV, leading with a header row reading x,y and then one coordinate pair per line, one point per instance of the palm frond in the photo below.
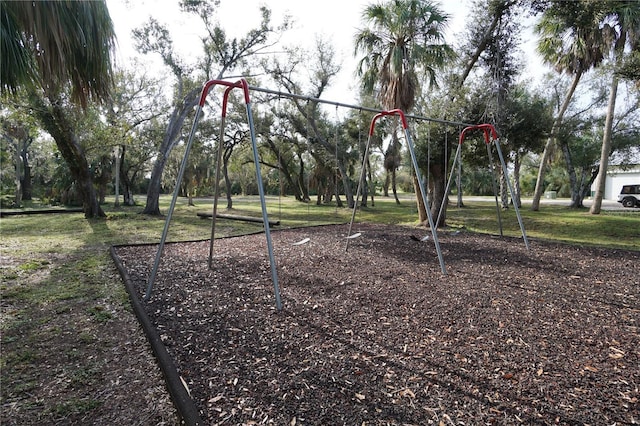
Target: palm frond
x,y
405,37
70,42
18,66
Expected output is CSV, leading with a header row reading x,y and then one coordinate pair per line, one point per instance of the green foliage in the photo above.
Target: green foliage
x,y
478,181
401,41
7,200
51,44
570,38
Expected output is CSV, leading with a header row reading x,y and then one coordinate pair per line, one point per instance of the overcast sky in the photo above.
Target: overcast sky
x,y
334,20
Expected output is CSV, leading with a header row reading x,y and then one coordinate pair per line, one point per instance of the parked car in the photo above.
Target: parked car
x,y
630,196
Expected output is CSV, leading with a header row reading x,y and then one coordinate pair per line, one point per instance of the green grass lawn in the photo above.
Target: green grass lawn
x,y
613,229
64,232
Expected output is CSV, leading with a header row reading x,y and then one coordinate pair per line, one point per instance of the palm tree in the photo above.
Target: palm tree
x,y
620,22
49,47
402,45
48,44
570,42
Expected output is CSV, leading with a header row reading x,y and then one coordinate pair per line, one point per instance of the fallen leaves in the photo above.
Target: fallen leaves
x,y
615,353
406,393
358,342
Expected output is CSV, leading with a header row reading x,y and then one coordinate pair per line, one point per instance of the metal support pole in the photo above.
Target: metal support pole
x,y
216,190
515,204
425,201
176,191
456,157
205,90
265,218
423,193
360,183
494,183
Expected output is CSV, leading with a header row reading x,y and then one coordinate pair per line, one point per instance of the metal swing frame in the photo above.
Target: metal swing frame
x,y
490,135
241,84
423,193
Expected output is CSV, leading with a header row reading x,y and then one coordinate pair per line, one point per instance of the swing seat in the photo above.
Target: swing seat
x,y
301,242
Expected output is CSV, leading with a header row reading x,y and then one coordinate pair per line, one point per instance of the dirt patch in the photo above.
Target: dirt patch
x,y
378,335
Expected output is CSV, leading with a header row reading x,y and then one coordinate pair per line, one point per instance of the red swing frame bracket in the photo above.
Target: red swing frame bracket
x,y
488,130
242,83
385,113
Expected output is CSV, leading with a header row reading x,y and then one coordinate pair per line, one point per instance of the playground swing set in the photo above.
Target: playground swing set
x,y
490,135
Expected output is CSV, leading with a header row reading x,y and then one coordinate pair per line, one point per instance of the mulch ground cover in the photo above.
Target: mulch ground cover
x,y
378,335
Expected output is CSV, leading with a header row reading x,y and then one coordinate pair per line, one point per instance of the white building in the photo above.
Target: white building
x,y
618,175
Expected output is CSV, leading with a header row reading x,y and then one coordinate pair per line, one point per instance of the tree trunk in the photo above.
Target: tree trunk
x,y
438,178
516,197
227,180
103,178
392,161
116,185
346,183
535,204
606,148
587,177
422,210
394,185
169,141
55,121
127,195
155,184
125,180
302,182
190,189
487,36
387,183
365,183
26,183
17,201
573,180
504,193
580,191
437,185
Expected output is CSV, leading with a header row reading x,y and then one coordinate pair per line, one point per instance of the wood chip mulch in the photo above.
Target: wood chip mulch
x,y
377,335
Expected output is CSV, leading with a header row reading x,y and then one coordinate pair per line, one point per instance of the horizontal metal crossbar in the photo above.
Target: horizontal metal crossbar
x,y
351,106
